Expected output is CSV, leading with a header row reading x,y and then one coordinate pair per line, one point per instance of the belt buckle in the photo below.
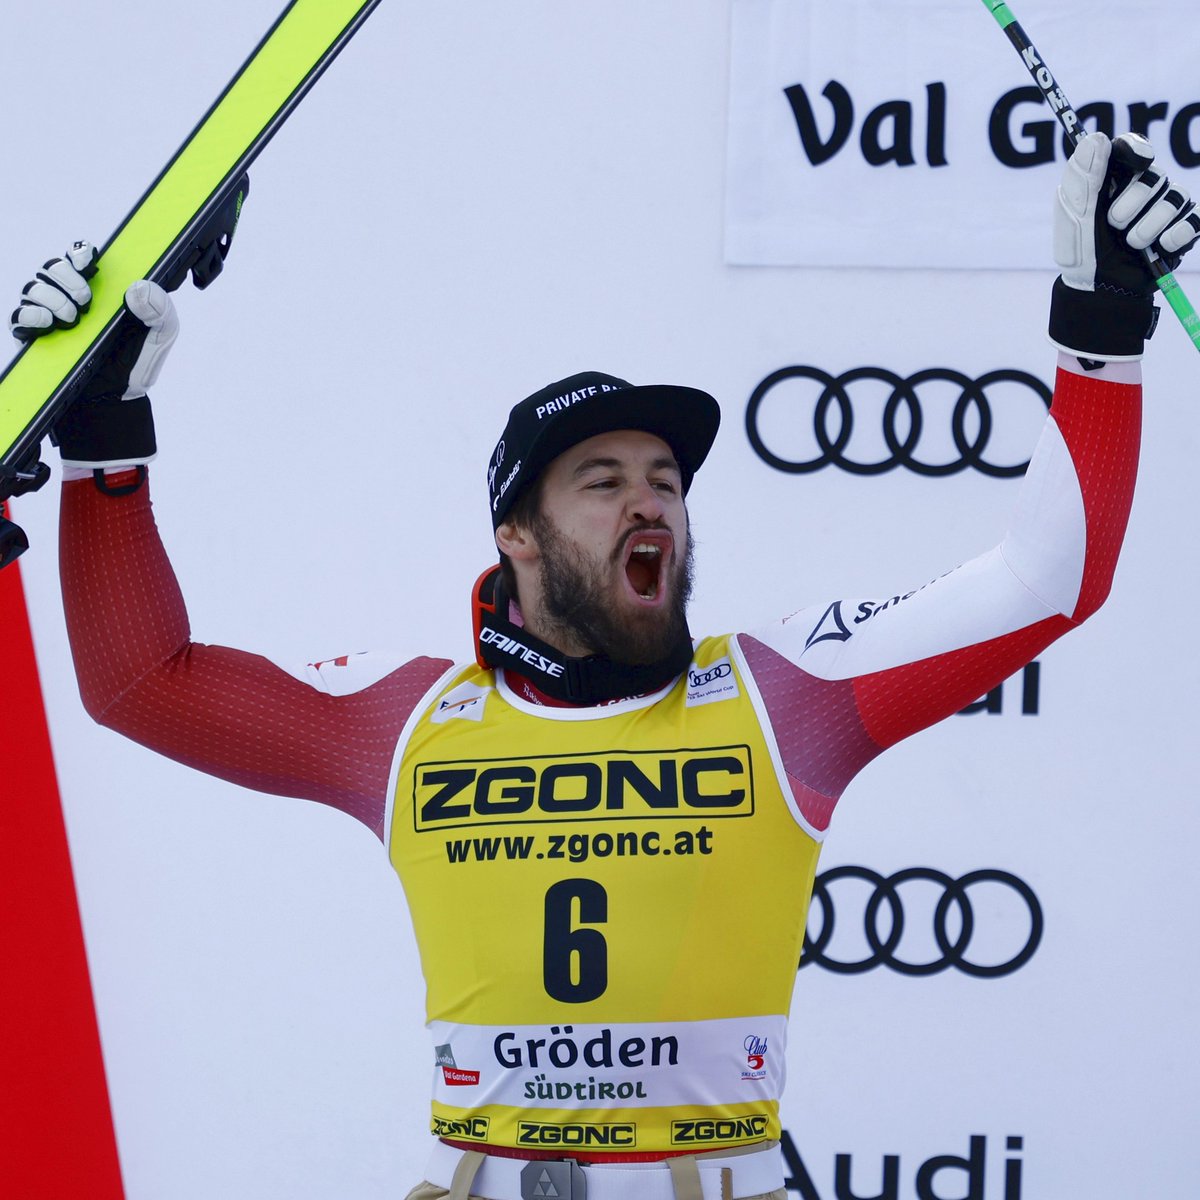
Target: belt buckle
x,y
553,1179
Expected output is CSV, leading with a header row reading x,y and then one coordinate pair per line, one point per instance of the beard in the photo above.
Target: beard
x,y
576,601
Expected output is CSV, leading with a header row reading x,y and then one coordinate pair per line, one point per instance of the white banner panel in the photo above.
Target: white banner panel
x,y
909,133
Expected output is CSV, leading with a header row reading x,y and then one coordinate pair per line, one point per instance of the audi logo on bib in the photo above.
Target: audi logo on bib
x,y
935,422
920,921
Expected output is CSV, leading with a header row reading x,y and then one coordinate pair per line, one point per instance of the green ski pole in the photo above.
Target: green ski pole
x,y
1069,120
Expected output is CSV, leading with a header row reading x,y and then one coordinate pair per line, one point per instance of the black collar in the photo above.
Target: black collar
x,y
499,642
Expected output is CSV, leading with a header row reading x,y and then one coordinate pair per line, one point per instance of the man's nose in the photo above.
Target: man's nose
x,y
644,501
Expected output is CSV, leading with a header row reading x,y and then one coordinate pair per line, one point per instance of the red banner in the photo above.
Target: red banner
x,y
56,1129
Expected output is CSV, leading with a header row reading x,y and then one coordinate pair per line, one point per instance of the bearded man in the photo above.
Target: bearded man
x,y
638,792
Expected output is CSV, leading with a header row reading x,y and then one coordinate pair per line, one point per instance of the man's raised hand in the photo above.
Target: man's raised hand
x,y
1111,206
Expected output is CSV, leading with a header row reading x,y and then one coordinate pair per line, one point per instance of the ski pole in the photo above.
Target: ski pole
x,y
1069,120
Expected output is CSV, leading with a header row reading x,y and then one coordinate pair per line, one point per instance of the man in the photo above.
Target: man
x,y
596,778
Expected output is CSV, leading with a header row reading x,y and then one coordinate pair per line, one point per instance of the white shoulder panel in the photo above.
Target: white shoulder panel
x,y
1046,543
974,603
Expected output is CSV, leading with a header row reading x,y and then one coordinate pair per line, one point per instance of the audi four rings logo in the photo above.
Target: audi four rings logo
x,y
955,937
972,420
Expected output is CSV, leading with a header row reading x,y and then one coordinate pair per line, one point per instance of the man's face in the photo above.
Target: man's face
x,y
612,550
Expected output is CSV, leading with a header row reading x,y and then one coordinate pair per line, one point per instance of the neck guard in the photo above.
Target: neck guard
x,y
499,642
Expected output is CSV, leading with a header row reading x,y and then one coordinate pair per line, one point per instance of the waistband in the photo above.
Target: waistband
x,y
720,1175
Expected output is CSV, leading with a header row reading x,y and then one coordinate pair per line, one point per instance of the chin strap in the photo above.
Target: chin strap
x,y
592,680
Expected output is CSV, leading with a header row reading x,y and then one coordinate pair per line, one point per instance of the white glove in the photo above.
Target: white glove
x,y
59,294
109,423
1099,231
56,296
1110,206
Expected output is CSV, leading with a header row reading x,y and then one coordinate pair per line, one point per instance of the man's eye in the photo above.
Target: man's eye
x,y
665,485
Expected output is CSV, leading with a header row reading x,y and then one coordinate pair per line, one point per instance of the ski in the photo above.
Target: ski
x,y
184,222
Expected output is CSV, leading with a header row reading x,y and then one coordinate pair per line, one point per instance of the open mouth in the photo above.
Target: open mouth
x,y
644,564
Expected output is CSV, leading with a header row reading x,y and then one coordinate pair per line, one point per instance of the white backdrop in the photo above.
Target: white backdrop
x,y
478,199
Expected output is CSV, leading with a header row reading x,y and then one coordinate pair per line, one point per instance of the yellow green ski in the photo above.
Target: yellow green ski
x,y
183,222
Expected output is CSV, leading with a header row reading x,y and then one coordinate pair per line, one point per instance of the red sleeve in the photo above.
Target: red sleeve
x,y
830,716
229,713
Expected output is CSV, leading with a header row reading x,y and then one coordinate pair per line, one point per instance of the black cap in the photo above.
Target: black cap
x,y
563,414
